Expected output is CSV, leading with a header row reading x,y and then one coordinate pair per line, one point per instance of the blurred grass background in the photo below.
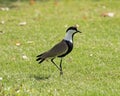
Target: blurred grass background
x,y
91,69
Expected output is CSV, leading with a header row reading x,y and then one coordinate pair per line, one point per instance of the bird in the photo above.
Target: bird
x,y
61,49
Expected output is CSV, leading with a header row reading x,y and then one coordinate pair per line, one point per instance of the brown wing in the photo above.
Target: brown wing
x,y
57,50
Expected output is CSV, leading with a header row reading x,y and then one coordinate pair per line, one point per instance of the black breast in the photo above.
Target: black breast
x,y
70,47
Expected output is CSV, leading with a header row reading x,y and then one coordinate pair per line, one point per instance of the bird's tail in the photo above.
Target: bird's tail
x,y
40,59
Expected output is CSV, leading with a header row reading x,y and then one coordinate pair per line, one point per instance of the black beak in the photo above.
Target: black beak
x,y
79,31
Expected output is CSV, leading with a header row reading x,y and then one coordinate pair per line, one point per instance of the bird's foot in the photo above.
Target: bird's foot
x,y
61,73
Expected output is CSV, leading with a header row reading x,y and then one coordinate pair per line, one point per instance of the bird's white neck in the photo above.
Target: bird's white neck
x,y
69,37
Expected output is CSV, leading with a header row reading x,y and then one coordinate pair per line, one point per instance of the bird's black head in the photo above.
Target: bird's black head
x,y
73,29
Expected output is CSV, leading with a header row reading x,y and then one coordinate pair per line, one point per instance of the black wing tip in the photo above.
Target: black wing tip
x,y
37,59
39,55
40,60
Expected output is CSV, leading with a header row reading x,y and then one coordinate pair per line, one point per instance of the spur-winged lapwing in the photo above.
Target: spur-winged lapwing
x,y
61,49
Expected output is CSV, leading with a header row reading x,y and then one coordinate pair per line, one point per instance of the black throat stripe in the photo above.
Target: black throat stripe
x,y
70,47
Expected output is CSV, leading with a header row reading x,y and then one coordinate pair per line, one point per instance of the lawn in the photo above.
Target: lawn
x,y
91,69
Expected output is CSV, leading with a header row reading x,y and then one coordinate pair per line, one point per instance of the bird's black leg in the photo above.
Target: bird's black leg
x,y
55,64
61,72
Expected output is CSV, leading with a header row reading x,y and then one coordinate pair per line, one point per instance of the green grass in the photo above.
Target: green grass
x,y
93,67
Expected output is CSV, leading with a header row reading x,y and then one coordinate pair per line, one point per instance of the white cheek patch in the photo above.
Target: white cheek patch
x,y
69,36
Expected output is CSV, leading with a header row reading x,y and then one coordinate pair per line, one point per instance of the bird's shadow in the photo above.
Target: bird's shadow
x,y
40,77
